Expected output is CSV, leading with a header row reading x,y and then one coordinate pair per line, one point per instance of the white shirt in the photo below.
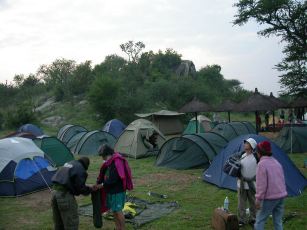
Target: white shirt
x,y
248,168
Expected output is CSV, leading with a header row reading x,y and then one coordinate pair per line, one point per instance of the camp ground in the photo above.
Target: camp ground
x,y
114,127
203,122
24,168
295,181
30,128
293,139
168,122
131,142
68,131
190,151
54,149
80,141
234,129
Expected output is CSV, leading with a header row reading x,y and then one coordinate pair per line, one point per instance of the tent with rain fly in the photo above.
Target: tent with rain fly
x,y
73,141
114,127
90,142
132,141
30,128
293,139
190,151
204,125
168,122
23,167
233,129
55,150
68,131
295,181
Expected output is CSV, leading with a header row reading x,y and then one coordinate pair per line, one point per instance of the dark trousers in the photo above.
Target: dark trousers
x,y
65,211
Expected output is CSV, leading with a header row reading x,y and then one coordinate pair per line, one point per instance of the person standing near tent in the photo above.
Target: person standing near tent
x,y
68,182
246,182
270,188
114,178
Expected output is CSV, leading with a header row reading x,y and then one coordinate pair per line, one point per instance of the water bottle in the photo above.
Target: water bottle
x,y
226,204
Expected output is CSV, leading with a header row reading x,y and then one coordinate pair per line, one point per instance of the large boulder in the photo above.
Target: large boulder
x,y
186,68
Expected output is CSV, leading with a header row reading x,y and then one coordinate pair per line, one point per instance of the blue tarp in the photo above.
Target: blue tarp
x,y
295,181
114,127
30,128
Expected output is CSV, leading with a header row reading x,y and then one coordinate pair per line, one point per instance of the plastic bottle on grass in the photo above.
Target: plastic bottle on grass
x,y
226,204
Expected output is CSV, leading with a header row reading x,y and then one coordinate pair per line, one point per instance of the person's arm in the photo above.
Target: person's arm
x,y
80,186
261,184
100,177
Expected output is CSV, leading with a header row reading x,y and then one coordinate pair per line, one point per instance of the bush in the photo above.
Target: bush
x,y
20,115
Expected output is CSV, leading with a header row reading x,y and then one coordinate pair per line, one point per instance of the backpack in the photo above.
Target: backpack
x,y
232,166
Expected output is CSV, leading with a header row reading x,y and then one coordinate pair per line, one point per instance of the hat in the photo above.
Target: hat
x,y
105,150
252,142
264,147
85,161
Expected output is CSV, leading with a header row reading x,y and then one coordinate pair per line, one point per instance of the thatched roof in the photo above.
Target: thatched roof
x,y
277,101
257,102
195,106
226,106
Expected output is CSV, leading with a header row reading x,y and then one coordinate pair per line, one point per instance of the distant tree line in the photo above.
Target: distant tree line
x,y
118,87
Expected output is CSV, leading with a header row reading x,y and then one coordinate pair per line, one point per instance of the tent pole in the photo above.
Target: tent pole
x,y
291,137
229,116
196,122
273,121
256,123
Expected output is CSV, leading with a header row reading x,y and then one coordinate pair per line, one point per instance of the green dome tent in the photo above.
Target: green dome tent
x,y
68,131
131,141
91,141
54,149
293,139
73,141
234,129
190,151
204,125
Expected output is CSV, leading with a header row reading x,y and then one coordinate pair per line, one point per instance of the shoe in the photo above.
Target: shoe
x,y
241,223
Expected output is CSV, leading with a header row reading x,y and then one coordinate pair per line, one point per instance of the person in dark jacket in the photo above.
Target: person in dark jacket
x,y
68,182
114,178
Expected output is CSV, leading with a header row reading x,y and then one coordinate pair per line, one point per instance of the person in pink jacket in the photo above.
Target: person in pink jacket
x,y
270,188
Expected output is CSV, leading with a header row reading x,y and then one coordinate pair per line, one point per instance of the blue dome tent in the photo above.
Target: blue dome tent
x,y
30,128
295,181
114,127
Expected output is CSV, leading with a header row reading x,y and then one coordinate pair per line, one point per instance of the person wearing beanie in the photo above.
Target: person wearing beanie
x,y
270,188
68,182
113,181
246,183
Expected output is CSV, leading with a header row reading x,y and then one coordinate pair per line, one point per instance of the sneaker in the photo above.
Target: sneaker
x,y
241,223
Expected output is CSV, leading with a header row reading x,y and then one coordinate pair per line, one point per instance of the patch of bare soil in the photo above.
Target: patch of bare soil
x,y
40,201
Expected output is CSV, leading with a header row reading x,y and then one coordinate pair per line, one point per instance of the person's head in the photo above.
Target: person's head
x,y
106,152
250,145
85,161
264,149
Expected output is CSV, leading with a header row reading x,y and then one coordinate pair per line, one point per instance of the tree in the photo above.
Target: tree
x,y
58,76
286,19
103,96
132,50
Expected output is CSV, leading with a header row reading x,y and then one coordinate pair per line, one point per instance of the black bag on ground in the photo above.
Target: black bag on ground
x,y
96,201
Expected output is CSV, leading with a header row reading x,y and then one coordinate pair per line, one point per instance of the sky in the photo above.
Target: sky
x,y
36,32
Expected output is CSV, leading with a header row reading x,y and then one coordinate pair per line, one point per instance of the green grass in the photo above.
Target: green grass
x,y
196,198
